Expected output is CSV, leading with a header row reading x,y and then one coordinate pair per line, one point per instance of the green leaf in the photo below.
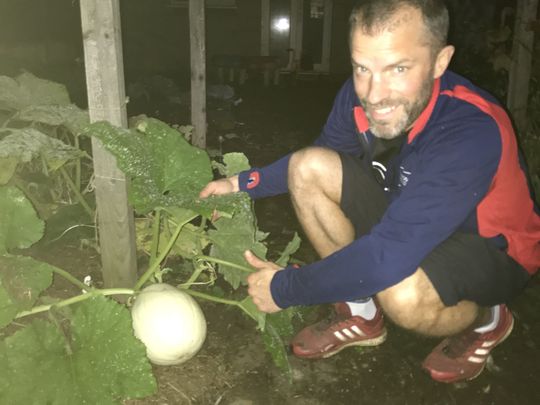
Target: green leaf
x,y
70,116
232,237
20,227
251,310
26,90
233,163
7,169
165,170
289,250
22,279
190,242
94,359
26,144
278,328
276,347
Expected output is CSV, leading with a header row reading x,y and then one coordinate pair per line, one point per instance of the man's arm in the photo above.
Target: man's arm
x,y
450,180
339,133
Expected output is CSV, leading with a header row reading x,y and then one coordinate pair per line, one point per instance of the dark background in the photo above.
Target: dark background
x,y
44,37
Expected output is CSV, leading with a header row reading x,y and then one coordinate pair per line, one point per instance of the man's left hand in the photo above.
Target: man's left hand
x,y
259,283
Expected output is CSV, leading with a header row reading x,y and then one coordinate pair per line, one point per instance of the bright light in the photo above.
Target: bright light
x,y
281,24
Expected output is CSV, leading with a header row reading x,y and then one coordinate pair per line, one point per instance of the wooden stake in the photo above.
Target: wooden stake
x,y
107,101
198,71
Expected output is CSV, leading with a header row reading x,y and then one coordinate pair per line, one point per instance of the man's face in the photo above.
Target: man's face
x,y
393,74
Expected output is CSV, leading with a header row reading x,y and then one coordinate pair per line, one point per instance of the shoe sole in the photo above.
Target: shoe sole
x,y
368,342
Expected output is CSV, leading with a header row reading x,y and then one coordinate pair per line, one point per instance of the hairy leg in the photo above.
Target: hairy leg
x,y
315,181
415,305
315,178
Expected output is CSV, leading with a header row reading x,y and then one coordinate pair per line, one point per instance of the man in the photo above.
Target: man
x,y
442,238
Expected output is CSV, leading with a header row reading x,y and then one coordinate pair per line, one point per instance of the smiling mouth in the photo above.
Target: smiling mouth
x,y
381,114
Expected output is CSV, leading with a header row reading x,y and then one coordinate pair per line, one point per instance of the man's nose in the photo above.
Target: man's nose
x,y
378,89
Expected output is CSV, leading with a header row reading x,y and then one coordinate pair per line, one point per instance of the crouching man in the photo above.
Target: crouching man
x,y
414,196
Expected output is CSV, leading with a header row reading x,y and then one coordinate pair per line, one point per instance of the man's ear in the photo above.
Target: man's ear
x,y
443,60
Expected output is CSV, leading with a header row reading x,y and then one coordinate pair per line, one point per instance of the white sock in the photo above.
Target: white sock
x,y
365,308
495,316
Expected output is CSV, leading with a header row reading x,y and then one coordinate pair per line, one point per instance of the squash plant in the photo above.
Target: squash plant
x,y
40,149
166,174
82,349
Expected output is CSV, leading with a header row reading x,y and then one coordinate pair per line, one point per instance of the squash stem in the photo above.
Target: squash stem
x,y
77,193
225,263
71,279
211,297
74,300
156,263
156,226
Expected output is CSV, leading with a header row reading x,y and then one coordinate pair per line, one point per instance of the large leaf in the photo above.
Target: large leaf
x,y
26,90
190,242
253,312
26,144
94,359
7,169
289,250
278,330
20,227
165,170
232,237
70,116
22,279
233,163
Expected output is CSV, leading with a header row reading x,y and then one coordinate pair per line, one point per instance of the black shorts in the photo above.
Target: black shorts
x,y
463,267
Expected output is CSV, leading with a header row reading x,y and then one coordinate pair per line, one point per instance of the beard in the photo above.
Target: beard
x,y
411,111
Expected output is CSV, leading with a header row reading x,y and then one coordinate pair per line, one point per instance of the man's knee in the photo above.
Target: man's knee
x,y
412,303
314,166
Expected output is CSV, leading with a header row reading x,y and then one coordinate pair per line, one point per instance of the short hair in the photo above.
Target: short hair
x,y
374,16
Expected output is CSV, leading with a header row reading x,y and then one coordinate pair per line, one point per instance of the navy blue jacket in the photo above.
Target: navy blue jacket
x,y
459,169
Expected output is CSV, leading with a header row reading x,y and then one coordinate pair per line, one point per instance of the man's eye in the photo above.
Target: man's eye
x,y
401,69
361,69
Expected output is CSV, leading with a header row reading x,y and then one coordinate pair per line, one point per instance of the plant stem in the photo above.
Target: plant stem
x,y
74,300
195,275
77,193
225,263
155,236
154,265
77,164
71,279
211,297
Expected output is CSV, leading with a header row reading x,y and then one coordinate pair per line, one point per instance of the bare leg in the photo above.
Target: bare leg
x,y
414,304
315,178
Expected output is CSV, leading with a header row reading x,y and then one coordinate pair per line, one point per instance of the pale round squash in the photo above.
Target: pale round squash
x,y
169,322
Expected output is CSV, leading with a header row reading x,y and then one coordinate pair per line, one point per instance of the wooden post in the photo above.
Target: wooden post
x,y
198,71
296,24
522,53
327,36
265,27
107,101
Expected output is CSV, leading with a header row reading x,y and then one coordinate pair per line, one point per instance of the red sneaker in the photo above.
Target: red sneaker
x,y
463,357
328,337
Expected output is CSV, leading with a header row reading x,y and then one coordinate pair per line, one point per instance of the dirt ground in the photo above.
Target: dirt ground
x,y
233,368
